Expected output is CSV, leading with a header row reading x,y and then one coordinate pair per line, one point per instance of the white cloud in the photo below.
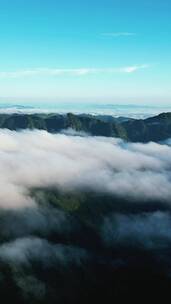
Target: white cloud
x,y
134,68
40,159
46,72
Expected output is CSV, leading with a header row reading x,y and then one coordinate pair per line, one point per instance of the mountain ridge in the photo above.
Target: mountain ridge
x,y
156,128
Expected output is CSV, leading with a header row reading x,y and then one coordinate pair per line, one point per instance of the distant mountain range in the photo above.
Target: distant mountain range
x,y
157,128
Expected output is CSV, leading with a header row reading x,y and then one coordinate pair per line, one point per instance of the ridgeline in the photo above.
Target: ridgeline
x,y
157,128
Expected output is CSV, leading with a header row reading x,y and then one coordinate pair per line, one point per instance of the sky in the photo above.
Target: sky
x,y
73,50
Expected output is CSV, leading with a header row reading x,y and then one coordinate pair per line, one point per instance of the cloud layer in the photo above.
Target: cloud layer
x,y
31,159
49,255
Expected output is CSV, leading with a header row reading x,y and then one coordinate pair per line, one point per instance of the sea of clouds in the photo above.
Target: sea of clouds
x,y
30,159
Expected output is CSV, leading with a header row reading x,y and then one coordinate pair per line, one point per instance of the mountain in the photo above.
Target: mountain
x,y
157,128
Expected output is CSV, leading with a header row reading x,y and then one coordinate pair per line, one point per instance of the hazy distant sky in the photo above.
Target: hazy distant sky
x,y
117,50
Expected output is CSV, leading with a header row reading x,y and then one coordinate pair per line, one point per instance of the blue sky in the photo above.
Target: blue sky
x,y
98,50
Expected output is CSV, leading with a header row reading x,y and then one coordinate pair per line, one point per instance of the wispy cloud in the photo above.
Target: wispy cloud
x,y
119,34
134,68
54,72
